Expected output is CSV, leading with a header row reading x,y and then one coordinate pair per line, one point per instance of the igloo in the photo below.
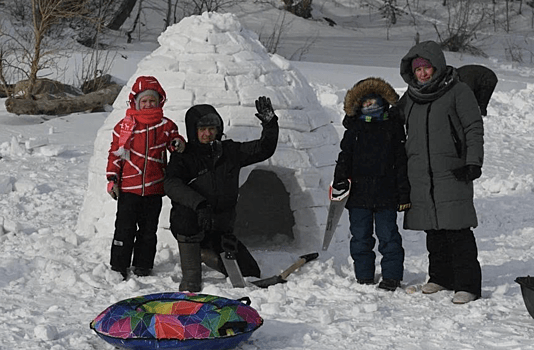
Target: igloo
x,y
212,59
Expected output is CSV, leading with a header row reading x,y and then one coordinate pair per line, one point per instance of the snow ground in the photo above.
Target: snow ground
x,y
55,280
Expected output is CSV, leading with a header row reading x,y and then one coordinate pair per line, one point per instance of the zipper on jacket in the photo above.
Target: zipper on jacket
x,y
146,162
430,172
455,138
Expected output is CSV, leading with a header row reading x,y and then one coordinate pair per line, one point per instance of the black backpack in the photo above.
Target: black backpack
x,y
481,80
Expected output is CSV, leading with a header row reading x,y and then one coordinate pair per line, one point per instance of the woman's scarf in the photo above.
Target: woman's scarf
x,y
435,88
145,116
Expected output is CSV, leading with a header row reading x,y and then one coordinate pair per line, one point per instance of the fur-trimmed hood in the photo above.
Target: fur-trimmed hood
x,y
365,87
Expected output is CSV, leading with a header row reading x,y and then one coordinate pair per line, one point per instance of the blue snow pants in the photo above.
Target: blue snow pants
x,y
389,243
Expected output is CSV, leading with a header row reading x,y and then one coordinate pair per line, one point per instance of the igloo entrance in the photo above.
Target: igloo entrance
x,y
264,217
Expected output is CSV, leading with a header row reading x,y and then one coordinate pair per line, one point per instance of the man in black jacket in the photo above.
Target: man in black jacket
x,y
203,185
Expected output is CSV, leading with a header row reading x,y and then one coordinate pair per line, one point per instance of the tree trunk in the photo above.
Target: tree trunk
x,y
168,16
507,18
137,18
62,106
122,14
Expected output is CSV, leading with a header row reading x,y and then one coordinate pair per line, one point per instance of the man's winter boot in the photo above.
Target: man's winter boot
x,y
191,269
213,260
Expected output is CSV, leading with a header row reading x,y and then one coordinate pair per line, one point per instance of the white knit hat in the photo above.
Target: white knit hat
x,y
146,93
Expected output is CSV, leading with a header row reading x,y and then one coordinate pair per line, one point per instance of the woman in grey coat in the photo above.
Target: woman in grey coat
x,y
444,146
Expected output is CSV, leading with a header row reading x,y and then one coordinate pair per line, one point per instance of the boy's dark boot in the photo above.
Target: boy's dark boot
x,y
389,284
191,268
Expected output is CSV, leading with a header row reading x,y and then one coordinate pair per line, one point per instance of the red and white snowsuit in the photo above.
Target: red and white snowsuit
x,y
136,161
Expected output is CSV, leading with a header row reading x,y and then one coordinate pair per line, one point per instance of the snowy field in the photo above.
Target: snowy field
x,y
55,277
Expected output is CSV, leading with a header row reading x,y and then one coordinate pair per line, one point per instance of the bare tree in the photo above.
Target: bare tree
x,y
197,7
464,19
507,17
390,12
122,14
169,14
45,14
274,39
136,21
6,89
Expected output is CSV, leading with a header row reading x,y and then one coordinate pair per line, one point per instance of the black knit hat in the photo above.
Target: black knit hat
x,y
210,119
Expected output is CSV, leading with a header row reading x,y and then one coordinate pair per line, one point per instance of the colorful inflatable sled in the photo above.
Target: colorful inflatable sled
x,y
179,321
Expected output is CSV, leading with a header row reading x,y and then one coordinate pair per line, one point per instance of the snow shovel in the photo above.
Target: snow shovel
x,y
281,278
335,210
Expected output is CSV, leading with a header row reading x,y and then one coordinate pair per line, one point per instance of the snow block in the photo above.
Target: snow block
x,y
323,156
290,158
201,66
308,178
244,116
216,97
310,214
197,80
293,120
249,95
244,133
311,197
318,119
317,138
234,68
240,81
162,62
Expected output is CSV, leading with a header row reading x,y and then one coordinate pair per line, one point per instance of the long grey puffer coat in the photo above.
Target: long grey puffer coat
x,y
444,132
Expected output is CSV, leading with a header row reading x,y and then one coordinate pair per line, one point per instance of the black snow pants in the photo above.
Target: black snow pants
x,y
453,263
135,231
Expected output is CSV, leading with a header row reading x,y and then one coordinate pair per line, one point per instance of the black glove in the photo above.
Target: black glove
x,y
229,243
467,173
341,185
265,109
204,217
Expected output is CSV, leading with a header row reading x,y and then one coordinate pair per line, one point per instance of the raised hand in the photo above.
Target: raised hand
x,y
265,109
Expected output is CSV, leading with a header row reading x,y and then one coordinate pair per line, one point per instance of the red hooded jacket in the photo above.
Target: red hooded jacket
x,y
138,154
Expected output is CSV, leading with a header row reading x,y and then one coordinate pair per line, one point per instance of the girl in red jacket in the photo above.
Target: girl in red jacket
x,y
135,171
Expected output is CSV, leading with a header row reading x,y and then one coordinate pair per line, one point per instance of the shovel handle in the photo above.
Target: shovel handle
x,y
301,261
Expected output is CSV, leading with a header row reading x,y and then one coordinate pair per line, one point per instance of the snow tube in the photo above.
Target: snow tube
x,y
527,290
177,321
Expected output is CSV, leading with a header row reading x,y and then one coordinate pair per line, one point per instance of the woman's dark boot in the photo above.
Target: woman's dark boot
x,y
191,268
